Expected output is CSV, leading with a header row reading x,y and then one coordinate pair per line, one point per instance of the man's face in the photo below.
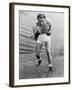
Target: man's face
x,y
41,20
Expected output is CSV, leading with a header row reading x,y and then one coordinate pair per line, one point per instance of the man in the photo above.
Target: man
x,y
41,32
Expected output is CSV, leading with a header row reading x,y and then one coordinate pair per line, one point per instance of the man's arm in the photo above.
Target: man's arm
x,y
33,33
50,28
36,33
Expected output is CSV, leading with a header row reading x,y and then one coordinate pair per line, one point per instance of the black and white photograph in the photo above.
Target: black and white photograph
x,y
41,44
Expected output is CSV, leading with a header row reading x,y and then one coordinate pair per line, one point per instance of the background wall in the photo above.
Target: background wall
x,y
4,43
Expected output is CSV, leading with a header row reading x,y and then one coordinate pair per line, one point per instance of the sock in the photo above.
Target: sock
x,y
50,65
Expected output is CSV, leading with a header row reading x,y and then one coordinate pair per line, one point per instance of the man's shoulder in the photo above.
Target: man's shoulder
x,y
48,20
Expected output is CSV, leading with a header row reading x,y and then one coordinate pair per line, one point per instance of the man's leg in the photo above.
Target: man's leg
x,y
48,50
38,49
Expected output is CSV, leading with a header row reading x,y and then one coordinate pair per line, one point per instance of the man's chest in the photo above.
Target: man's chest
x,y
43,28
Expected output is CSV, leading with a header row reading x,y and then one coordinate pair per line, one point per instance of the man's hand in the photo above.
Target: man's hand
x,y
37,33
49,32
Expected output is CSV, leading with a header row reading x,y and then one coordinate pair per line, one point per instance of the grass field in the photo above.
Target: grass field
x,y
27,60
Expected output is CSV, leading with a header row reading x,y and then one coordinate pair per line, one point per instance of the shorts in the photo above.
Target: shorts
x,y
43,38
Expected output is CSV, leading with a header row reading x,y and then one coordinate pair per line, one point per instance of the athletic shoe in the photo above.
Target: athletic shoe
x,y
50,71
39,62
